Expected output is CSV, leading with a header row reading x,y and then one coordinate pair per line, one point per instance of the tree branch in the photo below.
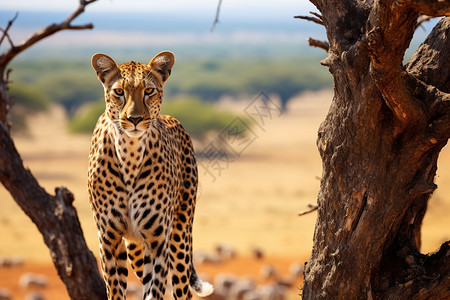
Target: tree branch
x,y
310,209
317,19
430,8
5,31
8,55
422,19
216,19
387,21
431,62
429,70
319,44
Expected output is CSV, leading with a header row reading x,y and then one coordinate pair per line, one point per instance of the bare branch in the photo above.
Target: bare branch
x,y
431,62
429,74
5,31
310,209
430,8
422,19
216,19
6,79
80,27
316,14
319,44
8,55
316,19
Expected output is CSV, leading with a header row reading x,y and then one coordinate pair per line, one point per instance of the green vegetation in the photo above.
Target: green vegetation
x,y
196,116
211,79
73,84
85,119
69,83
26,101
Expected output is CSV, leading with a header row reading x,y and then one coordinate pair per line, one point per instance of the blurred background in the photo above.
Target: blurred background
x,y
254,74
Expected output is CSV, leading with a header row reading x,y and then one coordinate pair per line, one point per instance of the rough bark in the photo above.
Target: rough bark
x,y
54,216
379,146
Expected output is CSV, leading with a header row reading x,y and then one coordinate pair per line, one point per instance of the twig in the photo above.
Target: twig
x,y
5,31
421,19
316,19
6,79
216,19
311,208
317,15
319,44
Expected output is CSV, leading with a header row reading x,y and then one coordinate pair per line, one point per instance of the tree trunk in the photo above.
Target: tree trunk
x,y
379,145
57,220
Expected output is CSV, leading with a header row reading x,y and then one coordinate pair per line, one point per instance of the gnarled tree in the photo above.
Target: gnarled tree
x,y
379,145
54,215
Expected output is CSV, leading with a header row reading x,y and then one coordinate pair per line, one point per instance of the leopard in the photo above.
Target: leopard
x,y
142,184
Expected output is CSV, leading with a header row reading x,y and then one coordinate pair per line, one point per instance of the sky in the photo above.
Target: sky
x,y
165,22
168,23
250,7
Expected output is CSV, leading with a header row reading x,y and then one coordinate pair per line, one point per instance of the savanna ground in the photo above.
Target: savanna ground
x,y
252,202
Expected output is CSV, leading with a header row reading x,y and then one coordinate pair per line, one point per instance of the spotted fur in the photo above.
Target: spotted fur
x,y
142,183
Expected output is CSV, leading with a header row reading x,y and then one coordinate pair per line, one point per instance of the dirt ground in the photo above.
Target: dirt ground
x,y
242,267
248,198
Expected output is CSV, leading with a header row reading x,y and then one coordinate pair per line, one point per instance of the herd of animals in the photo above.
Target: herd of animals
x,y
267,284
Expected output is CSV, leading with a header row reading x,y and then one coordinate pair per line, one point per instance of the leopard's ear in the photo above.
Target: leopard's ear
x,y
105,67
163,63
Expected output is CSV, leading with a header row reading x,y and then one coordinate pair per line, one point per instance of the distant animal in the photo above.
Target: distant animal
x,y
13,261
241,287
296,270
272,292
268,271
223,284
258,253
28,280
142,183
34,296
226,251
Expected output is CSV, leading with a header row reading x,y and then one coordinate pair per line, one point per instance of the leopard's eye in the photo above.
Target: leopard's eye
x,y
118,92
148,91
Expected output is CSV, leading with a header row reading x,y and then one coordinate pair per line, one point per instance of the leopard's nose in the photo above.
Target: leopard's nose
x,y
135,120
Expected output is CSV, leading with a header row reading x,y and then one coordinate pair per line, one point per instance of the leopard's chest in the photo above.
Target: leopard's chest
x,y
148,166
130,154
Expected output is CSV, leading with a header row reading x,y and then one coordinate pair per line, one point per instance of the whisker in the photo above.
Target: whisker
x,y
118,125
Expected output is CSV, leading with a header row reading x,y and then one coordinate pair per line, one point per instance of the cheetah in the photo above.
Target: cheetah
x,y
142,183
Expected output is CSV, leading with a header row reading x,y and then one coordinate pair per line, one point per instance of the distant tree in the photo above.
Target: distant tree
x,y
379,145
54,215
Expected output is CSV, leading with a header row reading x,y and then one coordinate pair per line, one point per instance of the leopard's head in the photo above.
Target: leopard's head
x,y
133,91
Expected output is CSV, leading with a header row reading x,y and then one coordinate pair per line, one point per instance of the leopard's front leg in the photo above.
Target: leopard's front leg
x,y
155,230
113,256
